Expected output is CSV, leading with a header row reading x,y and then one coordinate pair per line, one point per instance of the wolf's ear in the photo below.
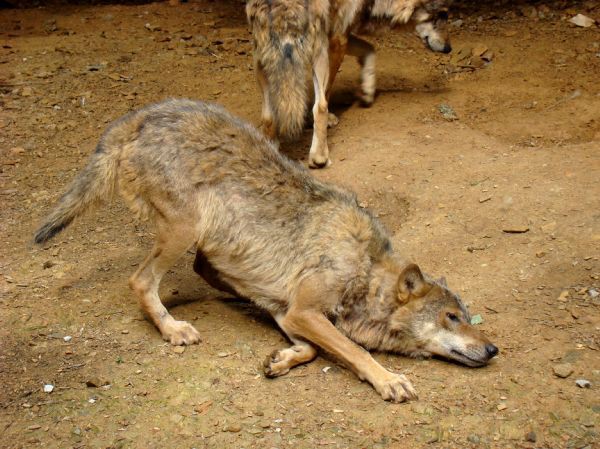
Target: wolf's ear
x,y
411,283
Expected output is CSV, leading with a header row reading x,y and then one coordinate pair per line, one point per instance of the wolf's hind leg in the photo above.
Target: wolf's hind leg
x,y
169,246
365,52
280,362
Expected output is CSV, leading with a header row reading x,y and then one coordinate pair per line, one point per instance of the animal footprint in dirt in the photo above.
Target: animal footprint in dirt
x,y
397,388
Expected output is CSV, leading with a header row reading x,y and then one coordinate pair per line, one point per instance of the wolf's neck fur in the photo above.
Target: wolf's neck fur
x,y
367,308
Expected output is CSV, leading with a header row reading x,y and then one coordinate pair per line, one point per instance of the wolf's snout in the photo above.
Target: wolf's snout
x,y
491,349
448,49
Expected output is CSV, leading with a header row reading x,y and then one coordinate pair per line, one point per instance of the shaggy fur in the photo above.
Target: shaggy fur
x,y
265,229
291,36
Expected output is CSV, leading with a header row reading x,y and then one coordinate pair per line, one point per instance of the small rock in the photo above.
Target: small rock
x,y
48,264
563,370
96,382
222,354
583,383
563,296
501,407
447,112
34,427
17,151
531,437
457,23
516,229
582,21
473,438
325,369
593,293
235,427
125,331
48,388
67,338
476,319
26,91
179,349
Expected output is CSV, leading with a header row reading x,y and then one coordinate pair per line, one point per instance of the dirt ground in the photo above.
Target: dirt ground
x,y
521,154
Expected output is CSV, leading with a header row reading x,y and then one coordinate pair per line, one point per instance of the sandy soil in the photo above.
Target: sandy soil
x,y
522,155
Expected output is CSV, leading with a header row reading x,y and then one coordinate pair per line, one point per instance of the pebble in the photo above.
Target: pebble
x,y
473,438
501,407
179,349
222,354
582,21
67,338
531,437
48,388
325,369
593,293
476,319
232,428
447,112
563,370
583,383
95,382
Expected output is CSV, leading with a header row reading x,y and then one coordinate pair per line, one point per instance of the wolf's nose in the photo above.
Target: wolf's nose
x,y
447,48
491,350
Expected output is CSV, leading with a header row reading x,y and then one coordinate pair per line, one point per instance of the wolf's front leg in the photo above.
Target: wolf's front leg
x,y
306,320
318,156
281,361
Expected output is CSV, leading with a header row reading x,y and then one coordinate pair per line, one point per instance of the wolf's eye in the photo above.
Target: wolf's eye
x,y
452,317
443,15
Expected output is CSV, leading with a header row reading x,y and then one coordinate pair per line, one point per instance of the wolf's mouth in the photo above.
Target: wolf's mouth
x,y
466,359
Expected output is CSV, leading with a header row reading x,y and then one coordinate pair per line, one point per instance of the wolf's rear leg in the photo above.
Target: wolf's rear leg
x,y
169,246
280,362
267,125
365,52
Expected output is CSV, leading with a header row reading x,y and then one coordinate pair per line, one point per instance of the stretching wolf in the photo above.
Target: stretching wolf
x,y
293,36
266,230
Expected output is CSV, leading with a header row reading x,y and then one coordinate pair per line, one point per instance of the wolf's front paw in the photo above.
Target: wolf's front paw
x,y
397,388
275,365
366,98
181,333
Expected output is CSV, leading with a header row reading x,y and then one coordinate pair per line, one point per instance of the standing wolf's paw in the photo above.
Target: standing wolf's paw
x,y
332,120
318,161
275,366
365,98
396,388
181,333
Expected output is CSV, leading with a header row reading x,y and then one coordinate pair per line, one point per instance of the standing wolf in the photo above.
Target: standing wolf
x,y
292,36
265,229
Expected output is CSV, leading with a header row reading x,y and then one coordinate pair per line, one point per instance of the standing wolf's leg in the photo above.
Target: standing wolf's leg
x,y
319,151
281,361
337,51
267,119
365,52
305,319
169,246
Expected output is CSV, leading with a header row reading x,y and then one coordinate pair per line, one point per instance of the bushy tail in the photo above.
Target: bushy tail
x,y
284,40
95,182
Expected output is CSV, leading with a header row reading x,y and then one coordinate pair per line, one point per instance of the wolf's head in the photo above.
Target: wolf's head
x,y
431,320
431,19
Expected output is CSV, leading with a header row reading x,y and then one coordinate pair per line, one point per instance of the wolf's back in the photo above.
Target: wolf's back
x,y
286,34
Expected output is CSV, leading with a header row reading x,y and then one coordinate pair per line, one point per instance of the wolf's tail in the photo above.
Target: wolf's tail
x,y
94,183
283,46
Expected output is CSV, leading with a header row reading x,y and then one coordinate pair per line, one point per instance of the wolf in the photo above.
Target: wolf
x,y
265,229
292,36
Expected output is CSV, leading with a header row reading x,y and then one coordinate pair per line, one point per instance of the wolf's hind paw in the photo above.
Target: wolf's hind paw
x,y
273,366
